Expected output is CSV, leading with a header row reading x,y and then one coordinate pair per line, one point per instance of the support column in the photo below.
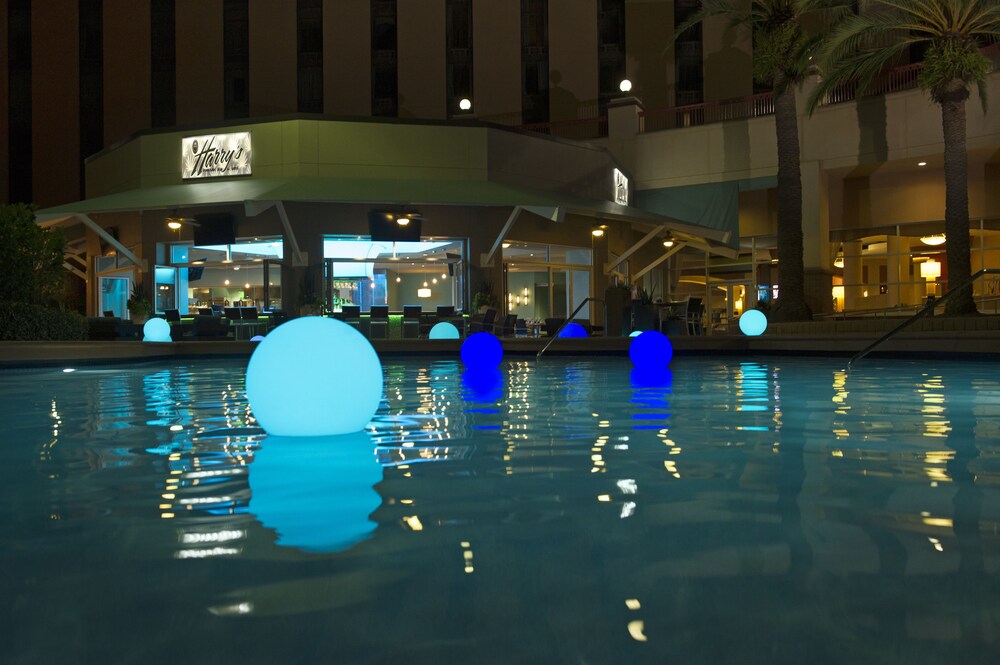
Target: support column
x,y
853,286
816,239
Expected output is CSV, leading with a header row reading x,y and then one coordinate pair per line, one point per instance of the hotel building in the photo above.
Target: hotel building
x,y
274,134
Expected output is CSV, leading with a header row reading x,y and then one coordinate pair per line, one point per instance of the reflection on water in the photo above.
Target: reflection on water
x,y
569,510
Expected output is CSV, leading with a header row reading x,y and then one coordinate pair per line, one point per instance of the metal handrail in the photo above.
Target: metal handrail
x,y
922,312
568,321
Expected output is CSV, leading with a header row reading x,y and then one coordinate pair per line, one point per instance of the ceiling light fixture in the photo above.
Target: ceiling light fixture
x,y
934,239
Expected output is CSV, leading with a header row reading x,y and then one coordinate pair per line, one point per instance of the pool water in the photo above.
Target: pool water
x,y
561,511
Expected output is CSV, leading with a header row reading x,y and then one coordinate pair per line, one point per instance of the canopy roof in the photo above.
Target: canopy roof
x,y
378,191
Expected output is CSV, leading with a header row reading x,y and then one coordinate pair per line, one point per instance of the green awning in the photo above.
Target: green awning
x,y
374,191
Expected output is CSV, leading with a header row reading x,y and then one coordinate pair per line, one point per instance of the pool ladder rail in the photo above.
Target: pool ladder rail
x,y
568,321
921,313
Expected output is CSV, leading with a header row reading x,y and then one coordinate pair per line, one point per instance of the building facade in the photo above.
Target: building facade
x,y
694,136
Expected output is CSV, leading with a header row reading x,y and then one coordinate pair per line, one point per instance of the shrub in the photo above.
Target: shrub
x,y
24,321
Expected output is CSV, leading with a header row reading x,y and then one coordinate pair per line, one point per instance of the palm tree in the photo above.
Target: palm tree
x,y
953,32
782,48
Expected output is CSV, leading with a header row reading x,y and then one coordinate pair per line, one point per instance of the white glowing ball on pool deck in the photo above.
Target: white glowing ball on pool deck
x,y
753,322
481,350
313,376
651,349
443,330
156,330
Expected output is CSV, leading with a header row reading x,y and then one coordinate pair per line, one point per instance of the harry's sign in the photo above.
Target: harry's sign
x,y
215,155
621,188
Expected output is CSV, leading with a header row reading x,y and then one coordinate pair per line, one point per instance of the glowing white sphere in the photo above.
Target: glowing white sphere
x,y
625,85
465,105
753,322
443,330
314,376
156,330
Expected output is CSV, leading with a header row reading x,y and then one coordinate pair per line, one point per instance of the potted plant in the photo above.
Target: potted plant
x,y
139,307
643,310
310,302
485,298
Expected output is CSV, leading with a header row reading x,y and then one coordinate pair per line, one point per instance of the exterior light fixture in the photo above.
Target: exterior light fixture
x,y
505,245
173,224
399,279
625,85
226,282
934,239
669,242
465,104
838,260
598,231
921,163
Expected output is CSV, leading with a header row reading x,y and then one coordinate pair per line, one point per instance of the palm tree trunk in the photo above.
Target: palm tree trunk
x,y
956,206
791,303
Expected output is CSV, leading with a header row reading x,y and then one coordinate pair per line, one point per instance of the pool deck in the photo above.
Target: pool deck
x,y
975,338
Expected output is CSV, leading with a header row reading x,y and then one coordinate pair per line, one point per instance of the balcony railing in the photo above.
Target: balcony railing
x,y
589,125
693,115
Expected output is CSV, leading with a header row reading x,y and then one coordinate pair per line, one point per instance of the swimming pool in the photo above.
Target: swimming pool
x,y
561,511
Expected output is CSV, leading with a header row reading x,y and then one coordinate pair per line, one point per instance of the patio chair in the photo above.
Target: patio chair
x,y
378,326
509,325
485,322
411,321
352,315
693,313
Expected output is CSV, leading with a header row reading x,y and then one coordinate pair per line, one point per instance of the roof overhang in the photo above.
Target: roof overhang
x,y
257,193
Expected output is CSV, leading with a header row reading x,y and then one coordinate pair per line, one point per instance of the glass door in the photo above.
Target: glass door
x,y
114,292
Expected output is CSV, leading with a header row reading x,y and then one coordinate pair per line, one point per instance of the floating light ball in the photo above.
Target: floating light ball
x,y
753,322
573,330
316,492
635,333
443,330
257,338
314,376
156,330
651,349
481,350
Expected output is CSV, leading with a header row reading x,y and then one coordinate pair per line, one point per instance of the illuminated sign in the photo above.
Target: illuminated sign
x,y
621,188
215,155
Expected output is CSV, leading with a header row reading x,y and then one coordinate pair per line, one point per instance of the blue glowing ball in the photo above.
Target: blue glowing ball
x,y
650,349
635,333
316,492
443,330
573,330
314,376
156,330
482,385
257,338
481,350
753,322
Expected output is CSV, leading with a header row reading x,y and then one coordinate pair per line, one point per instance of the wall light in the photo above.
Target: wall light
x,y
465,104
598,231
625,85
423,293
669,242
